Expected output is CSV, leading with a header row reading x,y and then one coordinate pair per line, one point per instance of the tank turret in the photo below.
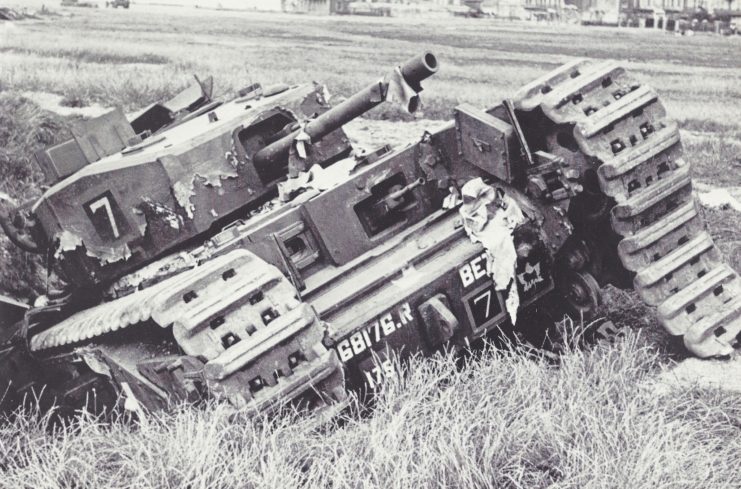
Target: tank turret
x,y
120,199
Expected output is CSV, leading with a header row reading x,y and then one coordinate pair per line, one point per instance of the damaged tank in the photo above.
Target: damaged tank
x,y
240,248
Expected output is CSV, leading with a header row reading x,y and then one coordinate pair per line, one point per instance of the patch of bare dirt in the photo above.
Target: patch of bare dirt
x,y
715,374
719,197
53,103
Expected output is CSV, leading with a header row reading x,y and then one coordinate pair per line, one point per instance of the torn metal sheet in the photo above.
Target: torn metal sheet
x,y
92,359
158,211
131,403
317,178
303,140
184,188
288,188
68,241
182,193
326,178
214,179
323,95
453,199
111,254
231,158
489,218
398,90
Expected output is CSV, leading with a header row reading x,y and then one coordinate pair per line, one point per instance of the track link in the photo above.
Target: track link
x,y
259,344
622,127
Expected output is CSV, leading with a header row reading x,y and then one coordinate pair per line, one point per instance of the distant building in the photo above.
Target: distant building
x,y
264,5
323,7
272,5
597,11
360,7
667,14
544,4
648,13
506,9
554,10
551,10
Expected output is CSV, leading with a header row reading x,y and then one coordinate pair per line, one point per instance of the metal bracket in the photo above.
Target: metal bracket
x,y
524,147
482,146
439,322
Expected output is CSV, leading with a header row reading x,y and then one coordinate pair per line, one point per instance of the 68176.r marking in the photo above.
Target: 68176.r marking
x,y
372,333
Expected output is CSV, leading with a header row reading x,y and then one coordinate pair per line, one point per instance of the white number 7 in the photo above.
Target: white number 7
x,y
103,202
487,294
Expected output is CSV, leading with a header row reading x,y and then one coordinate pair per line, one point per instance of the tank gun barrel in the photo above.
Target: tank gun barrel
x,y
413,71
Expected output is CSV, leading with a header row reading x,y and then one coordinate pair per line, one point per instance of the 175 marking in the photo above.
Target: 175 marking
x,y
382,370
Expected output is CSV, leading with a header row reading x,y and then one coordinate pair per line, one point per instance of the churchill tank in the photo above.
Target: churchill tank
x,y
241,248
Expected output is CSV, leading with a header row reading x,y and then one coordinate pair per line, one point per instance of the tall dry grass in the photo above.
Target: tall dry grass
x,y
597,420
24,129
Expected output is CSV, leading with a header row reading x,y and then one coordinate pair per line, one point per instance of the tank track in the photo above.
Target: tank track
x,y
622,127
238,317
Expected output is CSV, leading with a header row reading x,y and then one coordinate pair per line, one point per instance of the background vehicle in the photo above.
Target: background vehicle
x,y
117,3
77,3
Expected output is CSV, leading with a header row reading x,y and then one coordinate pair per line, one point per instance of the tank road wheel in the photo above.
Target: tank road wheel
x,y
605,121
582,293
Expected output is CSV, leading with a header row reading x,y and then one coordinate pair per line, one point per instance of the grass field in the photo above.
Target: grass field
x,y
131,57
600,419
